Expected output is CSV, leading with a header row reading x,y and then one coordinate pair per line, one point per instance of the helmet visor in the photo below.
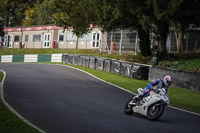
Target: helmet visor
x,y
169,83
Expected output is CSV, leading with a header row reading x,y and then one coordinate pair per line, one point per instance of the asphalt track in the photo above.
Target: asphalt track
x,y
59,99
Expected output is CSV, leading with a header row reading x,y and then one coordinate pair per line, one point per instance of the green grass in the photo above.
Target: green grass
x,y
191,65
43,51
179,97
185,99
190,62
10,123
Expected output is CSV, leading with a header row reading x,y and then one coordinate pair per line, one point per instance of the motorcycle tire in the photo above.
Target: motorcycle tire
x,y
127,109
156,113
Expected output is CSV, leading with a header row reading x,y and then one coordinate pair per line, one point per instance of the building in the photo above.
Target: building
x,y
49,37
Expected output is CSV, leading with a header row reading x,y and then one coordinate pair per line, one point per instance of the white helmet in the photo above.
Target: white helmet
x,y
167,80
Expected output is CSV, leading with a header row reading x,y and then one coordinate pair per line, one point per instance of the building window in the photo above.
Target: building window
x,y
61,38
26,38
85,37
36,38
17,39
71,37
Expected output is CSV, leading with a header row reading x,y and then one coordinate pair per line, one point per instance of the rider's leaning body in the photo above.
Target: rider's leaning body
x,y
155,85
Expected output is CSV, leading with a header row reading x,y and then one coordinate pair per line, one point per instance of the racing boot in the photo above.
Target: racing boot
x,y
136,99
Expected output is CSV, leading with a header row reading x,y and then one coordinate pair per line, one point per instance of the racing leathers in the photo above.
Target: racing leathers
x,y
153,86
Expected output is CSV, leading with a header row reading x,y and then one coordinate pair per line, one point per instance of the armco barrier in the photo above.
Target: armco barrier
x,y
126,69
108,65
64,57
18,58
86,61
100,63
44,57
56,57
181,79
77,60
69,58
133,70
6,58
140,72
116,66
31,58
92,62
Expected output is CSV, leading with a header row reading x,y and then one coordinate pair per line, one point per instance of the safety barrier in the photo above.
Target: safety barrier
x,y
189,80
31,58
131,70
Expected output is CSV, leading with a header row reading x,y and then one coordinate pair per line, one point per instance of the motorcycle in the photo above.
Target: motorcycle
x,y
152,106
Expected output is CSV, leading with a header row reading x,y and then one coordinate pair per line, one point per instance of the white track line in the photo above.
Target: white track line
x,y
11,109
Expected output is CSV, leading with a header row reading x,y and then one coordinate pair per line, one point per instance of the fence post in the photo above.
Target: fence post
x,y
111,40
136,41
187,42
120,45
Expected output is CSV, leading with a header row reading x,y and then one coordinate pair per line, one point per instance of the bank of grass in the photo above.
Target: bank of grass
x,y
179,97
184,62
10,123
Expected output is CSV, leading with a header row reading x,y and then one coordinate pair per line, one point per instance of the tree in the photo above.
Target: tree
x,y
187,14
40,14
12,12
162,15
76,14
109,15
31,15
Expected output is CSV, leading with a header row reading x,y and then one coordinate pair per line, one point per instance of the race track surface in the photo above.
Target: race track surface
x,y
59,99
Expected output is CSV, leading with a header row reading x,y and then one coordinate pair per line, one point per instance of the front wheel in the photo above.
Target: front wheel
x,y
128,109
155,111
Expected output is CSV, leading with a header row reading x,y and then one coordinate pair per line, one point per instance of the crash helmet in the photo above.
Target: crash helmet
x,y
167,80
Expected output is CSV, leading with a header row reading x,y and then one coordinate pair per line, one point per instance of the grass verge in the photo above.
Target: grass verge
x,y
10,123
184,62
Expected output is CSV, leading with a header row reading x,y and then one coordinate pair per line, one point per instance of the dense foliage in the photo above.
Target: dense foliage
x,y
157,16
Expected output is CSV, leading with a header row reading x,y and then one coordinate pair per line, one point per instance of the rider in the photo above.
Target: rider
x,y
154,86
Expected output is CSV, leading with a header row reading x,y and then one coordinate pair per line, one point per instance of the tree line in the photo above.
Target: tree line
x,y
145,16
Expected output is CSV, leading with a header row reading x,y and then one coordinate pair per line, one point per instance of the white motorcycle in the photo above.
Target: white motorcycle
x,y
152,106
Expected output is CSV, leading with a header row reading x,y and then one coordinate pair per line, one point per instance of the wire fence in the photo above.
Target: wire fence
x,y
118,41
128,41
190,42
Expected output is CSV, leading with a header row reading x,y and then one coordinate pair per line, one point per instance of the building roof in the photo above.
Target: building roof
x,y
32,28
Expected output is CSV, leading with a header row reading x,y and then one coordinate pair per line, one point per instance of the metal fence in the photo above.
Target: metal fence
x,y
120,41
128,41
190,42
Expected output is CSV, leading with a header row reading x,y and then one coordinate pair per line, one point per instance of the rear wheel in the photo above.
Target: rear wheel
x,y
155,111
128,109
